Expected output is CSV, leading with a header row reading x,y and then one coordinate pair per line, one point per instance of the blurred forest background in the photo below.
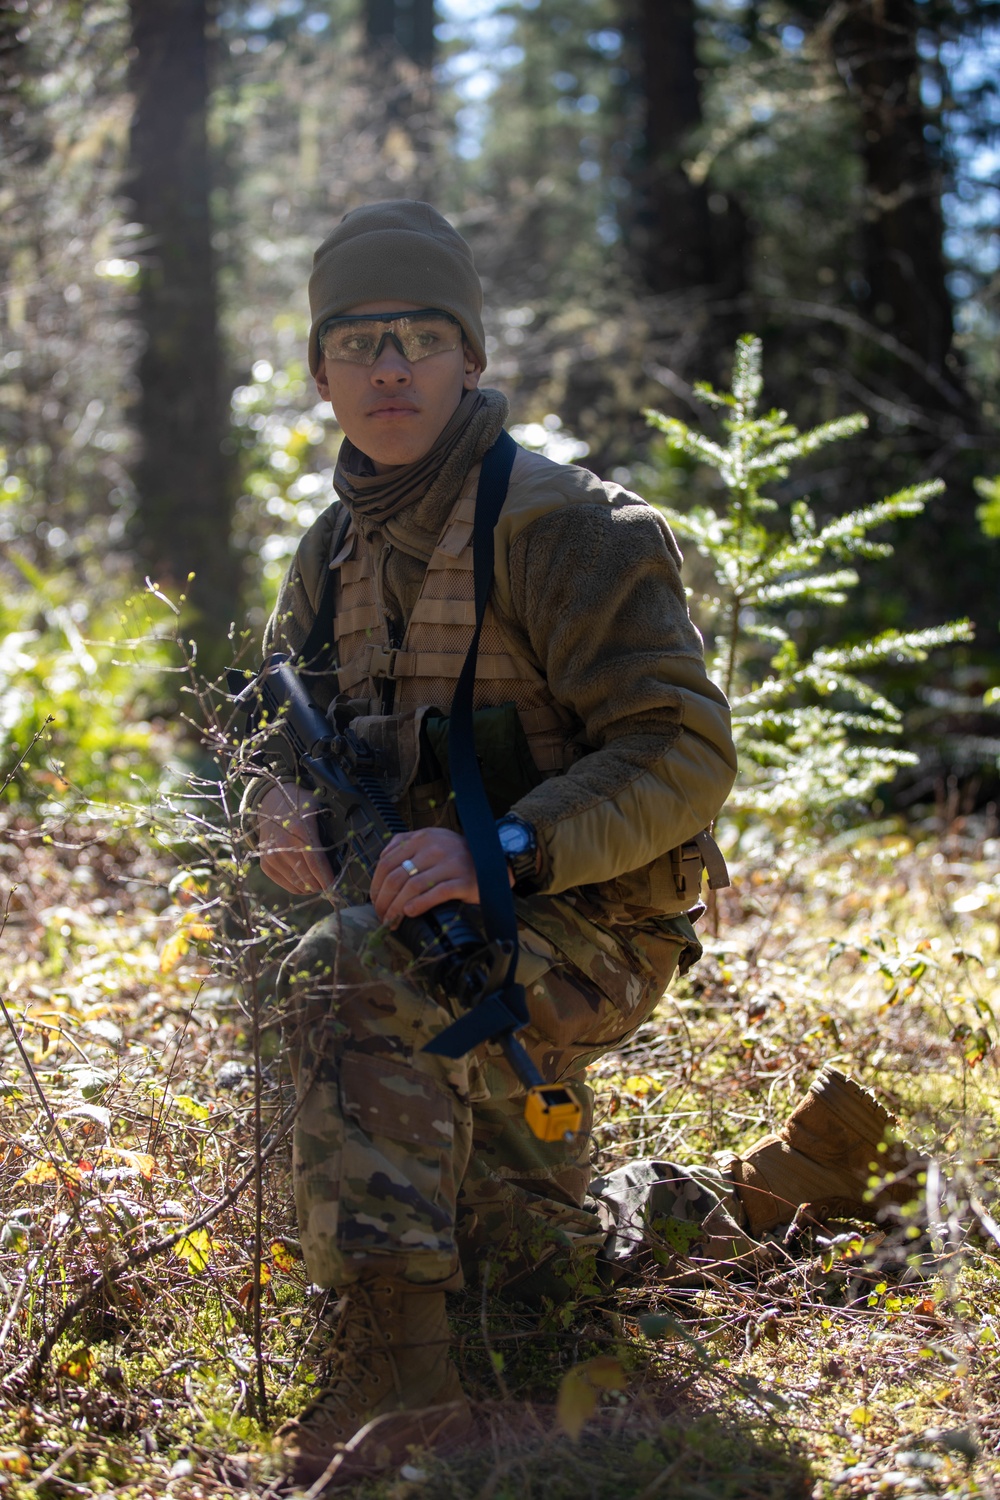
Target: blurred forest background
x,y
641,181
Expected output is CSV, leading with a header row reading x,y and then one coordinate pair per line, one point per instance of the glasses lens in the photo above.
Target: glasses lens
x,y
428,333
350,340
417,335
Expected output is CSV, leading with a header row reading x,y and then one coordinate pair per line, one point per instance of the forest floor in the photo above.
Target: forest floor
x,y
128,1124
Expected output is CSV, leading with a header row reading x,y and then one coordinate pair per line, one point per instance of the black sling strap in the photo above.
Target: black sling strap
x,y
505,1010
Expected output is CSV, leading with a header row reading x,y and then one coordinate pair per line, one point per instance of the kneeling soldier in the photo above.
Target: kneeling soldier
x,y
605,751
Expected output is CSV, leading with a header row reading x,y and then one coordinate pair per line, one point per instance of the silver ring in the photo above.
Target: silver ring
x,y
409,867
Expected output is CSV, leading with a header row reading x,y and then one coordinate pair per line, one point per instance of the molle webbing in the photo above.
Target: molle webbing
x,y
426,666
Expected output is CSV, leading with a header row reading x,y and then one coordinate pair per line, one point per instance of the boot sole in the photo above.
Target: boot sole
x,y
853,1105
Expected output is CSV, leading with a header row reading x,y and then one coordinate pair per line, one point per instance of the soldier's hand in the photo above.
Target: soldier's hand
x,y
421,869
288,841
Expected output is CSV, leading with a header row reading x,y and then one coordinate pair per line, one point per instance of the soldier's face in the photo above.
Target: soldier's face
x,y
394,410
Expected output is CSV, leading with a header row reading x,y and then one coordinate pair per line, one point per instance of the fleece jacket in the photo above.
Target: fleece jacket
x,y
587,588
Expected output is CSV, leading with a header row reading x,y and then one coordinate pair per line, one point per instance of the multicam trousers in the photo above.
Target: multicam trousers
x,y
422,1168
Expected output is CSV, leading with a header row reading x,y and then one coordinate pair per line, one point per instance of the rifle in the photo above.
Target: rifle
x,y
357,818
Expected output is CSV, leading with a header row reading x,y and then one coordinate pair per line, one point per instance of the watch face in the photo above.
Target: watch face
x,y
514,839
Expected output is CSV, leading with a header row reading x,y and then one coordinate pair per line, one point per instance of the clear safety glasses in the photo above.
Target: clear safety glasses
x,y
417,335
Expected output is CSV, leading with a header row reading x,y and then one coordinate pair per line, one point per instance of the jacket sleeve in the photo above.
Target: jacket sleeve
x,y
596,594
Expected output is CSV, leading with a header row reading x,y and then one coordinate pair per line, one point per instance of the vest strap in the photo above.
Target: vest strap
x,y
714,861
353,570
352,621
315,652
538,720
455,538
444,612
397,663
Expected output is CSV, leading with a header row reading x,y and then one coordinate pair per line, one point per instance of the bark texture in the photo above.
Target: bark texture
x,y
184,501
408,23
905,292
678,242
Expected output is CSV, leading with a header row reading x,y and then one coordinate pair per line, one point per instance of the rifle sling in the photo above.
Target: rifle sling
x,y
505,1010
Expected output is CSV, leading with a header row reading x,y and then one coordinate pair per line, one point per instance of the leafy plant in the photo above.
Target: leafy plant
x,y
79,668
287,472
988,514
804,721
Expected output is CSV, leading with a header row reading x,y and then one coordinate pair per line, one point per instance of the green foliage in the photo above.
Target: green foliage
x,y
283,491
798,713
78,669
988,514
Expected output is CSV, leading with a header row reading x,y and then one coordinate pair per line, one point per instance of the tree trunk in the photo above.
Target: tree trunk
x,y
184,504
904,292
407,23
678,243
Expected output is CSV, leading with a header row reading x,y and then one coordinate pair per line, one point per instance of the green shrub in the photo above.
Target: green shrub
x,y
814,737
79,673
988,514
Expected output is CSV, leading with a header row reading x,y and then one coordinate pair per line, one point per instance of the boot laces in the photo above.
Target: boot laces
x,y
361,1368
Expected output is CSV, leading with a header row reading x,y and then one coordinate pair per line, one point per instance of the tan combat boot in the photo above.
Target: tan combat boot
x,y
833,1142
393,1387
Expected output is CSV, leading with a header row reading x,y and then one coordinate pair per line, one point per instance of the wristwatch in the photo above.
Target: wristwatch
x,y
520,847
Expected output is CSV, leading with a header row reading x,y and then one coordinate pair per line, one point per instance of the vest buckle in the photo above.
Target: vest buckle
x,y
383,663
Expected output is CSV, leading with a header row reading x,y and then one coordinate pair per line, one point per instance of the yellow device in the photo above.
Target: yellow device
x,y
552,1112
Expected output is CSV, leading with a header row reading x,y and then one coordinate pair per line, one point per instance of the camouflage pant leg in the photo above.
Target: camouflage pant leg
x,y
524,1216
383,1132
659,1211
386,1133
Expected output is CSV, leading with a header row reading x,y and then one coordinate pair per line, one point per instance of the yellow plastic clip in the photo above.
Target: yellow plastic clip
x,y
553,1113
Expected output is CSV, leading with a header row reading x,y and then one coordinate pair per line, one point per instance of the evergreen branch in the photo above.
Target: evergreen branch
x,y
760,632
818,677
812,586
794,719
685,440
819,681
748,381
794,555
805,443
864,548
701,524
907,502
878,755
711,397
893,645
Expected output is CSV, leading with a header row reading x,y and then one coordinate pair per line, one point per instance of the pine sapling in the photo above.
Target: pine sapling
x,y
811,731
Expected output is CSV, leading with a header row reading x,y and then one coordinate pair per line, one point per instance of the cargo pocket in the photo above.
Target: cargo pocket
x,y
431,804
397,1185
569,1008
586,992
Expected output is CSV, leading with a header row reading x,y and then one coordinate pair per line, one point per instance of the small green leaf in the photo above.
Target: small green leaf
x,y
191,1107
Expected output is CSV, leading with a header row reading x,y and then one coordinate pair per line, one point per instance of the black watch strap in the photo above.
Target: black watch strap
x,y
523,862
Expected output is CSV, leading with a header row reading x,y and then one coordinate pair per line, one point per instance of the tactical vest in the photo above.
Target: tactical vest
x,y
425,667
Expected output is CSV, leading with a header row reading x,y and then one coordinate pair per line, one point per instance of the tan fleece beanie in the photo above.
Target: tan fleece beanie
x,y
399,251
